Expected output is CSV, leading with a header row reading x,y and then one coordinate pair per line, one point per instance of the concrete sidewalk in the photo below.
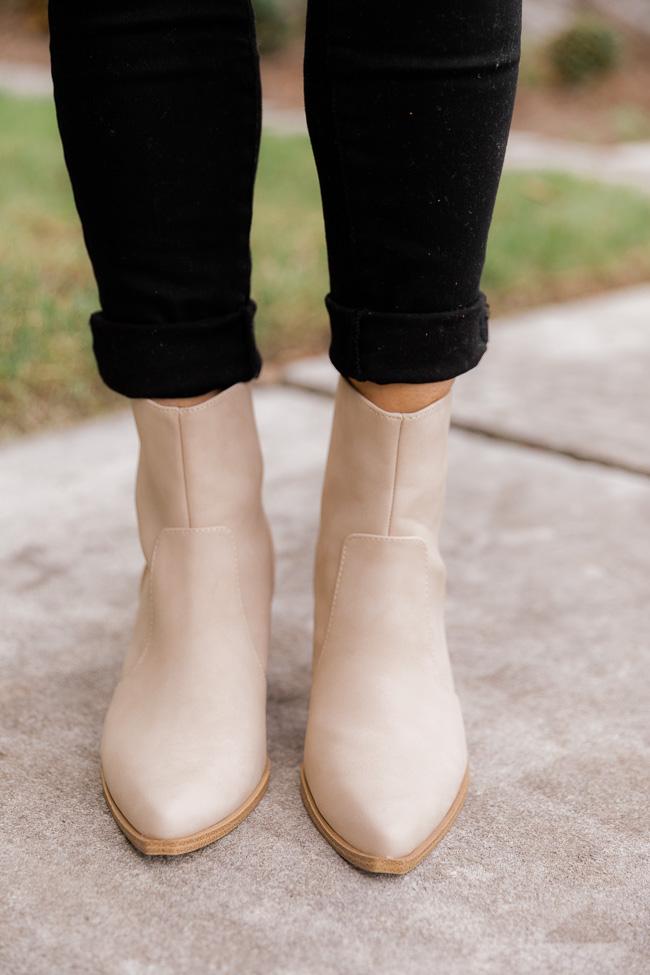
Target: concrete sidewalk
x,y
571,379
546,870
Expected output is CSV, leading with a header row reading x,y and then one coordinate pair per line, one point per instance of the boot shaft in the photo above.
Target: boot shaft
x,y
198,466
385,476
386,472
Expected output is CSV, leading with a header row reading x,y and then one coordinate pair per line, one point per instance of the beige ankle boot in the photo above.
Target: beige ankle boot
x,y
385,768
184,745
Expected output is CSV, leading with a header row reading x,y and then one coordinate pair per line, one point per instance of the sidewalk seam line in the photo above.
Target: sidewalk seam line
x,y
502,436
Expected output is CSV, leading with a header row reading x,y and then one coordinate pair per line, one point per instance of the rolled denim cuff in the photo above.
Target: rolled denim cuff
x,y
176,359
405,347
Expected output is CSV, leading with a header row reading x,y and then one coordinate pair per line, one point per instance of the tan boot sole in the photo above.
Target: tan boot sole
x,y
185,844
374,864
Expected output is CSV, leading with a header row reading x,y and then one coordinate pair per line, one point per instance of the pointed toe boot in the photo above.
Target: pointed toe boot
x,y
385,764
184,755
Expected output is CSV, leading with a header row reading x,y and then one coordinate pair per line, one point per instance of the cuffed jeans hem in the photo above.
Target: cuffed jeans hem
x,y
176,359
395,347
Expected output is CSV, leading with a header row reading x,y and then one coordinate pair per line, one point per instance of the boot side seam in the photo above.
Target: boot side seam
x,y
330,618
393,492
184,467
214,529
227,531
150,609
339,576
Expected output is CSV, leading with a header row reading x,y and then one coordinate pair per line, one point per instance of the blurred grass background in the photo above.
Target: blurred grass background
x,y
553,236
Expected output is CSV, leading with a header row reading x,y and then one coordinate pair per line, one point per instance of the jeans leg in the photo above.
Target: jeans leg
x,y
409,107
158,104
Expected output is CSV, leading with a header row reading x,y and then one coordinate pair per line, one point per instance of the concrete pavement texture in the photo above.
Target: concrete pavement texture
x,y
572,378
547,868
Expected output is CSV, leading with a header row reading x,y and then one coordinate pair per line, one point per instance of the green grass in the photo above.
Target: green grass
x,y
553,236
556,236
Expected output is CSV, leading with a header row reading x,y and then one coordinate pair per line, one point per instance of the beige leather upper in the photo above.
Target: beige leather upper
x,y
385,750
184,741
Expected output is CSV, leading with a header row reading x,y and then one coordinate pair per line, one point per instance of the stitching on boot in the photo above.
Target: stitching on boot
x,y
214,529
150,610
184,466
251,642
339,577
394,484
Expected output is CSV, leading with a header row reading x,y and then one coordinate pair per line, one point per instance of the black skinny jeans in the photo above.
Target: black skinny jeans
x,y
408,107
